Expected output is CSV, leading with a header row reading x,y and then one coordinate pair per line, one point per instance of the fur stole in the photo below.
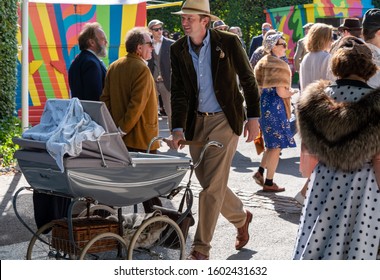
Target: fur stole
x,y
342,134
272,71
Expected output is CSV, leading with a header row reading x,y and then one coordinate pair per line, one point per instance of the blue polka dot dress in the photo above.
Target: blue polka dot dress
x,y
341,214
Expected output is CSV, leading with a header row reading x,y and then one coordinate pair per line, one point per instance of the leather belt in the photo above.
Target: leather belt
x,y
208,113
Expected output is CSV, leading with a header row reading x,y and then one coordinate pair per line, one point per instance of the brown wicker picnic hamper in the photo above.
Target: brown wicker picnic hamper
x,y
84,229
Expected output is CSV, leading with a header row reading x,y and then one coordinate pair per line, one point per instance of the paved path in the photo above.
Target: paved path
x,y
275,216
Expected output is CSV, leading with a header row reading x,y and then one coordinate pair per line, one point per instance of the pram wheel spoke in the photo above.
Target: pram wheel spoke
x,y
98,248
158,238
40,247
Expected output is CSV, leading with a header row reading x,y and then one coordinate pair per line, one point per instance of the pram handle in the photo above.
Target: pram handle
x,y
181,142
187,142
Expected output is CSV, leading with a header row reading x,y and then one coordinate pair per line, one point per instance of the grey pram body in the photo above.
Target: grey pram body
x,y
104,170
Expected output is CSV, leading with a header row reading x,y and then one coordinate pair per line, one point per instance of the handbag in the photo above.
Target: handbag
x,y
259,143
184,220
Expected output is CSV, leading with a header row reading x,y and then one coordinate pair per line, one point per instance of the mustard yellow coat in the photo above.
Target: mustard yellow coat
x,y
130,95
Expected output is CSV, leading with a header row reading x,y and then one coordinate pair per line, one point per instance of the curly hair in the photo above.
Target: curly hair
x,y
353,57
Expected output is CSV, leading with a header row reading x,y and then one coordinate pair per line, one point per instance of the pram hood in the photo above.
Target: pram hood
x,y
78,129
104,170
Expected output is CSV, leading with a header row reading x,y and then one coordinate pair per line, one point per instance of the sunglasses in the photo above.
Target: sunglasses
x,y
150,43
157,29
284,44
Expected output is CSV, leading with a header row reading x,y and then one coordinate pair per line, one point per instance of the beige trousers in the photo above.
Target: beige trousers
x,y
213,172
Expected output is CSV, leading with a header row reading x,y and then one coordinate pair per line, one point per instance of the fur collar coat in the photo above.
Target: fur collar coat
x,y
342,134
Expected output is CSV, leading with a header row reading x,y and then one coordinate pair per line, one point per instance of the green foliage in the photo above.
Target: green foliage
x,y
247,14
9,128
9,124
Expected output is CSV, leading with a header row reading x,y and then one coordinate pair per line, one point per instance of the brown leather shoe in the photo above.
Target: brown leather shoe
x,y
274,188
195,255
259,179
242,237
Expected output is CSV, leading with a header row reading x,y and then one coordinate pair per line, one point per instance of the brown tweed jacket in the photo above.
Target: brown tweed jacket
x,y
228,59
130,95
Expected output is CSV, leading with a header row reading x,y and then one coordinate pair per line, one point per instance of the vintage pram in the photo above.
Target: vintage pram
x,y
102,178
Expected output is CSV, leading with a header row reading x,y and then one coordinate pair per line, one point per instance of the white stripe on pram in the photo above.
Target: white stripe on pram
x,y
126,184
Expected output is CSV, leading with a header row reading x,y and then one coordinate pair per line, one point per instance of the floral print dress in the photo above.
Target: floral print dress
x,y
273,122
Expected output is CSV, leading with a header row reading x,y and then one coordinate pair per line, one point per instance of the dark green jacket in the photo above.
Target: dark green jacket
x,y
228,59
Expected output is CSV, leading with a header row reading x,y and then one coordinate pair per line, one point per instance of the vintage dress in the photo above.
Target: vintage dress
x,y
341,214
272,72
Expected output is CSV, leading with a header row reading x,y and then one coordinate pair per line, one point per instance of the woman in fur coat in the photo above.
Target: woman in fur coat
x,y
339,122
273,77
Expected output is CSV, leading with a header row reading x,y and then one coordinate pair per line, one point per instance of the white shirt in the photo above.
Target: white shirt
x,y
157,45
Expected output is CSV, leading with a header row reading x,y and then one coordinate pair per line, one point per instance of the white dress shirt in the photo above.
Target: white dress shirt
x,y
157,45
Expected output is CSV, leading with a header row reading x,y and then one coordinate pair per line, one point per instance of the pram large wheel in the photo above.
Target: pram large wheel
x,y
40,247
168,245
117,251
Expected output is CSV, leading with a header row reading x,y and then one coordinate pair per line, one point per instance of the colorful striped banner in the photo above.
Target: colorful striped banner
x,y
53,31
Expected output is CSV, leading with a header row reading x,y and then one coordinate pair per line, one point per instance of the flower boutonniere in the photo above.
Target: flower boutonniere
x,y
221,55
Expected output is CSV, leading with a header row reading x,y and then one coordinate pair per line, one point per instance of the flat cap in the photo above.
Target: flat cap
x,y
154,22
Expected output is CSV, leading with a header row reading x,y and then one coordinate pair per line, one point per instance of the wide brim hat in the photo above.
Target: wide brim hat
x,y
350,24
196,7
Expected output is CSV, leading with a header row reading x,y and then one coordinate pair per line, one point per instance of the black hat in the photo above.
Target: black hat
x,y
350,24
371,19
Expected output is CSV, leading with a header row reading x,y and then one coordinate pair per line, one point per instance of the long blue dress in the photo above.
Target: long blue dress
x,y
273,122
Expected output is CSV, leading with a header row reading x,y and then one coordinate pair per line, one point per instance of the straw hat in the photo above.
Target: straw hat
x,y
196,7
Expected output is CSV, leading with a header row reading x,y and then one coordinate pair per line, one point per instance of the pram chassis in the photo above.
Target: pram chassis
x,y
77,185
